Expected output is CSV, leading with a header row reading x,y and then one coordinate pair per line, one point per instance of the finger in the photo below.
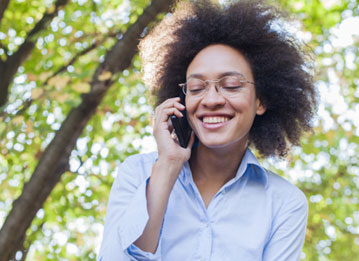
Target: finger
x,y
166,113
179,106
191,140
173,102
170,102
178,113
170,125
174,136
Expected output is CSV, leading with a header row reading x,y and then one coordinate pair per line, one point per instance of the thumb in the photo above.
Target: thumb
x,y
191,141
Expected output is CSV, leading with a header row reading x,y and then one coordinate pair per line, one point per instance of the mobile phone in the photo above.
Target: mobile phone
x,y
181,126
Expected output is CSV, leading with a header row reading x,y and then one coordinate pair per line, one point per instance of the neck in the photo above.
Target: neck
x,y
216,165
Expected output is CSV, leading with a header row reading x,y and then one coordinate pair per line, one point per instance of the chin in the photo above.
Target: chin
x,y
215,143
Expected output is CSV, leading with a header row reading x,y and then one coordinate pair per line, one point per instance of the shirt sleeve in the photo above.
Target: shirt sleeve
x,y
288,230
127,215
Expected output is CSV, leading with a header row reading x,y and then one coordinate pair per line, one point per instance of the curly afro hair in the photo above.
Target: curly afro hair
x,y
279,65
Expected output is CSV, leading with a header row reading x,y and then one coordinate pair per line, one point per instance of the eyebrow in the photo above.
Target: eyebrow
x,y
200,76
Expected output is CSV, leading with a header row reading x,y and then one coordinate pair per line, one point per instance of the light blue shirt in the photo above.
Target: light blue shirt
x,y
257,215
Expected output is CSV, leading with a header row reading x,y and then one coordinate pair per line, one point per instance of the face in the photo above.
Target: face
x,y
220,121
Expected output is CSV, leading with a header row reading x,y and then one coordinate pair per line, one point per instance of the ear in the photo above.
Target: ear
x,y
261,109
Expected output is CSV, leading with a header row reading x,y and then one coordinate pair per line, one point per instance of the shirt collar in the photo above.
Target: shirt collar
x,y
248,161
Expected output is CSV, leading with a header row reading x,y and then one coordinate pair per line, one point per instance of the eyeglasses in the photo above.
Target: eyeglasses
x,y
227,86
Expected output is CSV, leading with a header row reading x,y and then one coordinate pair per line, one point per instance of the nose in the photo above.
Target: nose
x,y
213,98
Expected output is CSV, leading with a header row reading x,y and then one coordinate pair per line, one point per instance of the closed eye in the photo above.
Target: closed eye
x,y
232,88
196,88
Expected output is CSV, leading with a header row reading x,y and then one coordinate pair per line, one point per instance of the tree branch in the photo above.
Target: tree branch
x,y
96,43
78,55
3,6
54,161
23,52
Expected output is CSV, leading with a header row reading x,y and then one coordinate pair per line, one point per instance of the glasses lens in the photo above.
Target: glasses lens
x,y
195,87
230,85
231,81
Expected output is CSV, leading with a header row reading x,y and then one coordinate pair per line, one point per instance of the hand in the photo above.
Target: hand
x,y
168,147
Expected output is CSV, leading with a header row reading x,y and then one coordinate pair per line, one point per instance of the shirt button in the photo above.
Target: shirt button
x,y
223,192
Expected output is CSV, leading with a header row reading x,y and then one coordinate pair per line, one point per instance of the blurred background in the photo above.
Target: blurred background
x,y
73,106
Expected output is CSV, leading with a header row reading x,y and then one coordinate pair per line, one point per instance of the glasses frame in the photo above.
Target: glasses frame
x,y
206,82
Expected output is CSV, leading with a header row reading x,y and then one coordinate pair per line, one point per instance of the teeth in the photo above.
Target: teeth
x,y
215,119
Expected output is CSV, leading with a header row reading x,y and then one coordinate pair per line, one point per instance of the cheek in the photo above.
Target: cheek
x,y
242,104
245,102
190,107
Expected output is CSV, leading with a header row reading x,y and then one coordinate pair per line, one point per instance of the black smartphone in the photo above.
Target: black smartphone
x,y
181,126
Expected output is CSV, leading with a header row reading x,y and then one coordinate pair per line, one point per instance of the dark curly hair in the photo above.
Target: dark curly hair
x,y
279,64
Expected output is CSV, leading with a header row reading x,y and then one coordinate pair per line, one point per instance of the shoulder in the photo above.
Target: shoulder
x,y
135,168
285,192
141,159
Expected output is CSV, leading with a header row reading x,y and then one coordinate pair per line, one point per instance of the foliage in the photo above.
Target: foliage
x,y
326,167
77,204
69,225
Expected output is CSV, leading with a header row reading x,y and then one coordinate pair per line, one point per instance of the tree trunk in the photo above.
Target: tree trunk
x,y
54,161
3,6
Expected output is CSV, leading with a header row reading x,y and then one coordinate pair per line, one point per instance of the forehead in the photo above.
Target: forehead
x,y
216,60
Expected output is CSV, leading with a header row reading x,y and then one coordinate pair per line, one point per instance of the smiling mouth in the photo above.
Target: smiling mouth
x,y
217,119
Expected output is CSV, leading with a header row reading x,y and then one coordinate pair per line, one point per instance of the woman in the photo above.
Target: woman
x,y
246,83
